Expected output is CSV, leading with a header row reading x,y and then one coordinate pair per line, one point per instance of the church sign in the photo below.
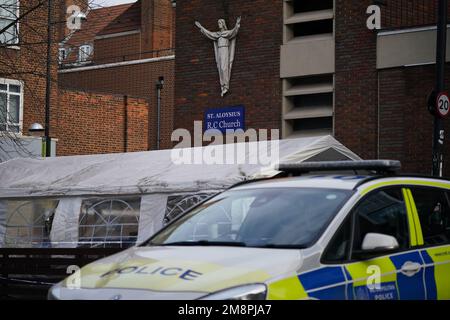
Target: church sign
x,y
223,119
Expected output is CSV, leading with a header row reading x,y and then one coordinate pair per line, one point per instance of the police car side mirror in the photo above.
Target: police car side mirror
x,y
377,242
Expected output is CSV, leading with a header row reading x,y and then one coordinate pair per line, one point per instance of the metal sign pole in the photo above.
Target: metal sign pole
x,y
438,131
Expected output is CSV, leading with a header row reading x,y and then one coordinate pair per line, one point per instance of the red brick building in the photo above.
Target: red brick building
x,y
311,67
130,47
102,103
23,61
382,84
91,123
304,67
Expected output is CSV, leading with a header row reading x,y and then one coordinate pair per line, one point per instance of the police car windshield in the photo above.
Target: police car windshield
x,y
271,218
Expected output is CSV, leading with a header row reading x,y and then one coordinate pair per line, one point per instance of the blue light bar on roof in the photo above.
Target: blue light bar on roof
x,y
385,166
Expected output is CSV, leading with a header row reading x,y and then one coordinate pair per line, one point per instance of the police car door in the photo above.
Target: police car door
x,y
383,261
432,209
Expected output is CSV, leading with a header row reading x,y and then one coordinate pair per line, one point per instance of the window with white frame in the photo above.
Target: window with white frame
x,y
11,105
9,12
62,55
84,52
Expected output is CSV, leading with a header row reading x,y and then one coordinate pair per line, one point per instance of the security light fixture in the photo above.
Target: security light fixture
x,y
160,83
36,128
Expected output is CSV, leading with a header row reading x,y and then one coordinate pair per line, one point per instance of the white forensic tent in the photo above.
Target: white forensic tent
x,y
66,197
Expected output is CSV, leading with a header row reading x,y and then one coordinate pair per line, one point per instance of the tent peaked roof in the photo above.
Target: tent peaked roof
x,y
156,171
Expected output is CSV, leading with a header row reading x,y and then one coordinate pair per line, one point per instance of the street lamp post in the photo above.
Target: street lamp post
x,y
36,130
438,129
47,138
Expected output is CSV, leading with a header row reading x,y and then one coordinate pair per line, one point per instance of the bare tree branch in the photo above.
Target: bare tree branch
x,y
21,17
32,41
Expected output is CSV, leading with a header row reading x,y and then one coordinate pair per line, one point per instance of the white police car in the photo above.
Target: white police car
x,y
378,236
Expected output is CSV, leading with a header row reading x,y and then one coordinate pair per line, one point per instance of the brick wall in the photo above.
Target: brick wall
x,y
28,64
63,6
139,80
134,80
124,32
156,24
406,126
392,121
137,124
162,24
90,123
356,79
255,81
409,13
117,49
173,28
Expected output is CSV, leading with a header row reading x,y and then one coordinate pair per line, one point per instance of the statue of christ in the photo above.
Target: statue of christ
x,y
224,48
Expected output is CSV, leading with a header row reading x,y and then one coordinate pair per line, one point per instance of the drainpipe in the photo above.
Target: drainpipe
x,y
125,120
48,140
159,87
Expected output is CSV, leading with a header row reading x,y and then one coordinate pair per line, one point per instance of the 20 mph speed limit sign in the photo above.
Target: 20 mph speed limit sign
x,y
443,104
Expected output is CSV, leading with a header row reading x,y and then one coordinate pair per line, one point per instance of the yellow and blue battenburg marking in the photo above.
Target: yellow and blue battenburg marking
x,y
410,287
360,287
413,217
431,282
430,279
287,289
410,213
351,282
437,272
327,283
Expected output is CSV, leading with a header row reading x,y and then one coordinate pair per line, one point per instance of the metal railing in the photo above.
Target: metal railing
x,y
117,58
28,273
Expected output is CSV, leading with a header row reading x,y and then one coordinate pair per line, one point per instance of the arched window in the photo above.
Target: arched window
x,y
109,222
28,223
177,205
